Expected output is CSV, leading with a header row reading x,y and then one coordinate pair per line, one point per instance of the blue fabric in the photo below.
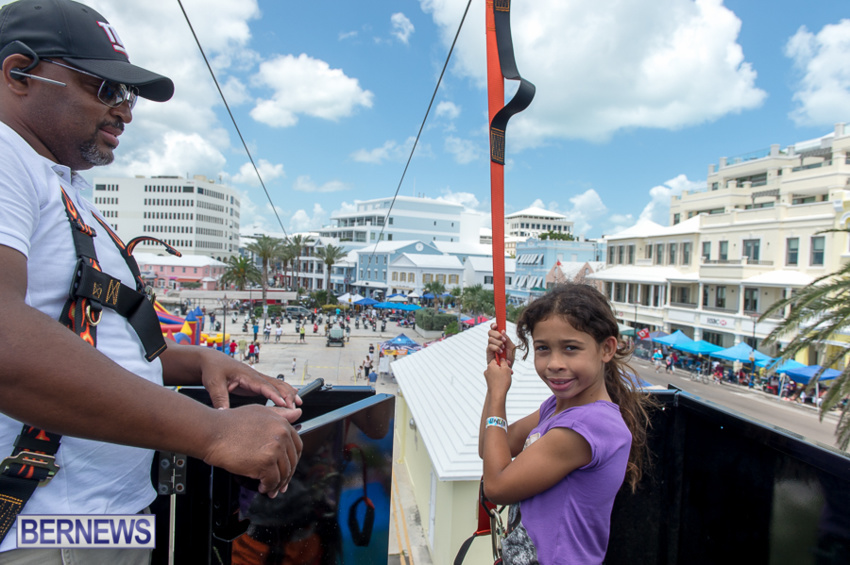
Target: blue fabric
x,y
698,347
677,338
741,352
804,374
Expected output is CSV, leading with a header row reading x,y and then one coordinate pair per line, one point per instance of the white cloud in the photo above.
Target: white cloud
x,y
448,110
464,150
402,27
392,151
302,221
466,199
346,208
305,184
658,208
331,94
823,93
343,35
235,92
180,154
600,68
268,171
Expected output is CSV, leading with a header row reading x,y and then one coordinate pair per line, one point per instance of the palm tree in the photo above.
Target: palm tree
x,y
819,312
297,242
436,288
267,249
330,254
241,271
478,300
287,257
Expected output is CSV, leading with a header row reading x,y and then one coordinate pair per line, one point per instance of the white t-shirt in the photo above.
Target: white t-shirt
x,y
94,477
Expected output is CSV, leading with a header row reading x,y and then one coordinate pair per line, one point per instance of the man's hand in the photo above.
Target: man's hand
x,y
256,442
221,375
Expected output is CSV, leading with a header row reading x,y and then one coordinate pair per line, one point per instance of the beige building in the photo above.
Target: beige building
x,y
754,236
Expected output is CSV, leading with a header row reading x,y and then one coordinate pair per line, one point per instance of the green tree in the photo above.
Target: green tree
x,y
286,256
437,289
819,312
330,254
297,242
241,271
267,249
478,300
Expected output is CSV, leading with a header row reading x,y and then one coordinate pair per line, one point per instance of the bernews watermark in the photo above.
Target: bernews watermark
x,y
69,531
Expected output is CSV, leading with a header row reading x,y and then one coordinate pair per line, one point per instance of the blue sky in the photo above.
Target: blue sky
x,y
635,98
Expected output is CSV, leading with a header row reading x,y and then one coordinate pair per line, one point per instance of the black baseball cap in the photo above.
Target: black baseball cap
x,y
79,35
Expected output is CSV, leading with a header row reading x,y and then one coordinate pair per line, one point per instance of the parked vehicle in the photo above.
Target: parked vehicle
x,y
336,335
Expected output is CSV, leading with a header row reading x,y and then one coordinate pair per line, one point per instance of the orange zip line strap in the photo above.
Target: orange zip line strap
x,y
501,65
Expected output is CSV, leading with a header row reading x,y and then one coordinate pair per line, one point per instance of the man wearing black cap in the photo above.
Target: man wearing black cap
x,y
68,90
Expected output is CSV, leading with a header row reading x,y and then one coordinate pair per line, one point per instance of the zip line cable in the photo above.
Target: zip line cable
x,y
232,118
419,133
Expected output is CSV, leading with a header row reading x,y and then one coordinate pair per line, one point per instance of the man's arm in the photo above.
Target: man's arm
x,y
54,380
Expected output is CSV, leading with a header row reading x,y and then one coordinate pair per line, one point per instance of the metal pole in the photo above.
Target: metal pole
x,y
224,325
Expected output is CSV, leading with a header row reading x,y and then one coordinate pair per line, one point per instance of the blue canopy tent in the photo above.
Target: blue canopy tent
x,y
399,345
773,365
366,302
677,338
803,375
742,353
385,305
699,347
428,295
407,307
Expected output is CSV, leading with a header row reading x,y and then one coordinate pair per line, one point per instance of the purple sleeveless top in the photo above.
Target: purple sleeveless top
x,y
570,522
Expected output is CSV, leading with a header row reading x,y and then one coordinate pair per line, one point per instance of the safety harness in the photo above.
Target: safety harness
x,y
33,460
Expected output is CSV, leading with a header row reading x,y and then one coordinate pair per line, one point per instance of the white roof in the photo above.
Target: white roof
x,y
648,228
429,261
572,268
780,278
384,246
535,212
444,388
485,264
632,273
174,261
463,248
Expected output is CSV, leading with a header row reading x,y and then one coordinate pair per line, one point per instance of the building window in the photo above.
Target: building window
x,y
672,251
620,250
751,300
792,250
395,276
611,255
684,295
676,219
751,249
720,297
818,246
441,278
411,278
706,250
686,253
659,254
488,279
632,254
426,278
618,292
452,279
723,254
648,251
704,295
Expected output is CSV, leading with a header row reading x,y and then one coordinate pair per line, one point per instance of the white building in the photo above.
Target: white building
x,y
197,216
410,272
411,219
479,270
532,222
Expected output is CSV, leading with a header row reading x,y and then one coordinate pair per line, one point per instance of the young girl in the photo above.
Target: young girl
x,y
564,463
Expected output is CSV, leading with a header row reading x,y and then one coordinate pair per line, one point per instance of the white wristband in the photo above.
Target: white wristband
x,y
498,422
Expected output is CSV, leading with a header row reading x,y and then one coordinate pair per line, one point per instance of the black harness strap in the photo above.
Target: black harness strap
x,y
32,463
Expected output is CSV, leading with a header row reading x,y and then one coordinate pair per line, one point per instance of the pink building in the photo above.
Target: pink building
x,y
169,272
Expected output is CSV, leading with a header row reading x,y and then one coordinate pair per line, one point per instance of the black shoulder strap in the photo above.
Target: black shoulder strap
x,y
32,463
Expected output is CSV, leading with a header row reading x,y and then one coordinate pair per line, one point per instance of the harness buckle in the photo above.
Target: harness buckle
x,y
150,294
39,460
98,310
